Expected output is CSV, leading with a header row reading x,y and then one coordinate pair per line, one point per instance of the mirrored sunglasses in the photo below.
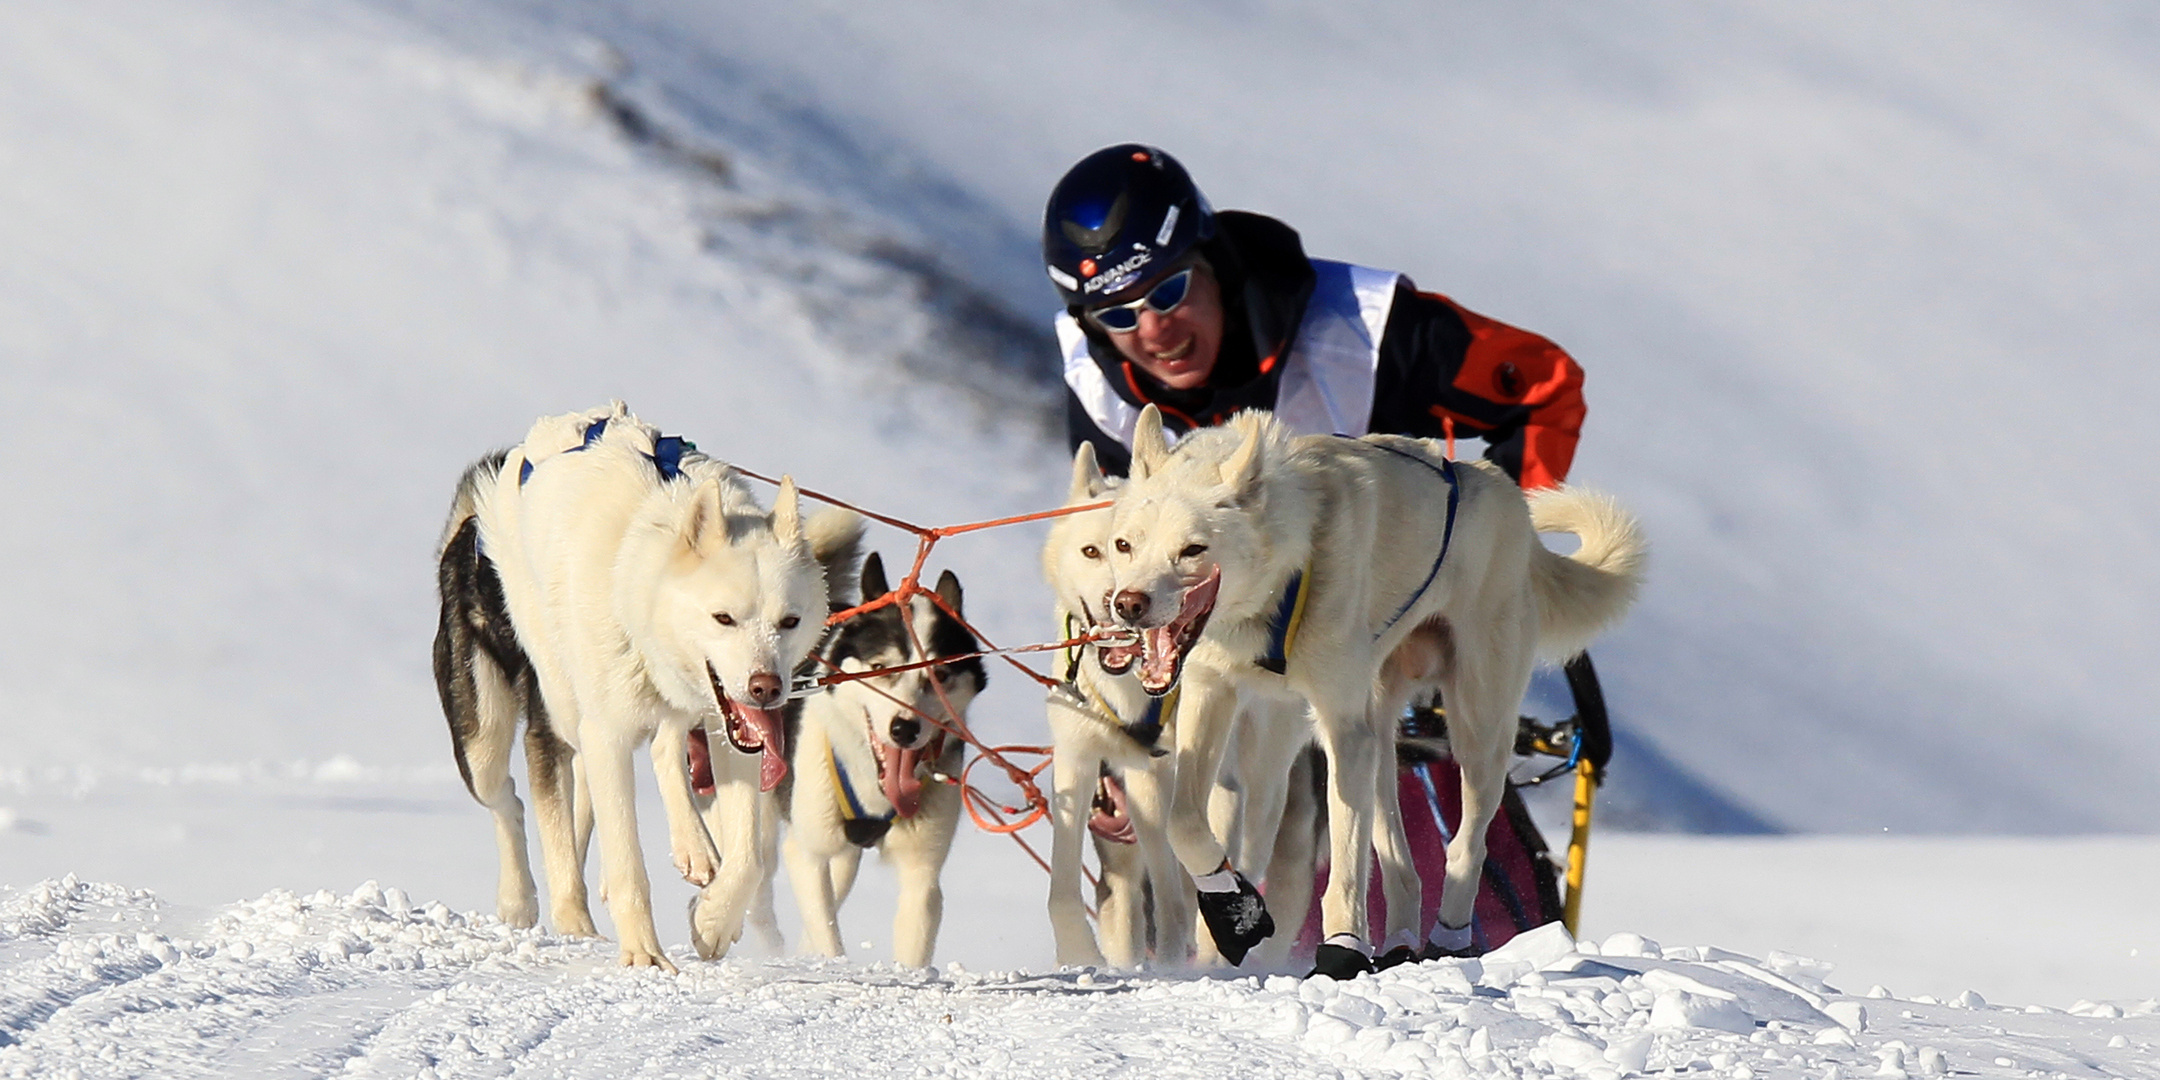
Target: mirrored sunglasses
x,y
1164,298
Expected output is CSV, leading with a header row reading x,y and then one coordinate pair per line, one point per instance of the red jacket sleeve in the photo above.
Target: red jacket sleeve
x,y
1445,368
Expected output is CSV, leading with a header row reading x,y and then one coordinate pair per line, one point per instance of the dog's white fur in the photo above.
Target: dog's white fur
x,y
1084,739
853,720
613,579
1367,516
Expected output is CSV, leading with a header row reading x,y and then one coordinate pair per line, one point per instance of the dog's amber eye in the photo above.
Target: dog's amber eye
x,y
1091,551
723,618
1193,551
940,675
790,623
1123,547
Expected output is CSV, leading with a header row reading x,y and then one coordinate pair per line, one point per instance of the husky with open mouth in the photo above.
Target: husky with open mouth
x,y
619,588
1112,769
872,770
1350,574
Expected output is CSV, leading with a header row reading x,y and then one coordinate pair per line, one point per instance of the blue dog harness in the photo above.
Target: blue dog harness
x,y
666,455
851,807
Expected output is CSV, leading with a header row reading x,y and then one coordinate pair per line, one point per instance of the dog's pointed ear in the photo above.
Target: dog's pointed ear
x,y
787,512
707,517
1149,447
1241,474
1087,477
948,590
873,578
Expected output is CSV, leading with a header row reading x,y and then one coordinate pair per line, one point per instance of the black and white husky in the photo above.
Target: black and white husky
x,y
621,589
870,771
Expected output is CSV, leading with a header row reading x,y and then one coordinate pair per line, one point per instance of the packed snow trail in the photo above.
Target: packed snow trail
x,y
93,984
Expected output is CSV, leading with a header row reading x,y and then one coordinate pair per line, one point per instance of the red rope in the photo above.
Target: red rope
x,y
988,813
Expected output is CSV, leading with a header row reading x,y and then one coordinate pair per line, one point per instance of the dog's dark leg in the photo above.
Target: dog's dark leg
x,y
548,764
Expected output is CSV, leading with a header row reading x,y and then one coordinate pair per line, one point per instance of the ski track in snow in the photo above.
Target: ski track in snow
x,y
93,984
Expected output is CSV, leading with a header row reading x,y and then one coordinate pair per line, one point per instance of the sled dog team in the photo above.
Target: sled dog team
x,y
1255,595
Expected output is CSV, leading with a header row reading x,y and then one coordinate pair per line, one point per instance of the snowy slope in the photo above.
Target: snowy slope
x,y
275,273
1866,297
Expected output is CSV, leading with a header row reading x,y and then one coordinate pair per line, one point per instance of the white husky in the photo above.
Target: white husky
x,y
1397,571
1107,723
622,588
867,765
1101,722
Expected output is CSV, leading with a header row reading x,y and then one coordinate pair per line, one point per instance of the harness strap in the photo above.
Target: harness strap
x,y
1283,625
851,807
1147,731
1446,469
666,456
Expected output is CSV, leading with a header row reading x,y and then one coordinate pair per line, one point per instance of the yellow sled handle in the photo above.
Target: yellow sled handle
x,y
1578,848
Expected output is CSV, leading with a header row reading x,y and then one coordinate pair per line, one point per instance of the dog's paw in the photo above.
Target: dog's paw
x,y
698,867
706,934
1438,952
1451,943
573,920
1395,957
1340,961
648,956
522,912
1236,920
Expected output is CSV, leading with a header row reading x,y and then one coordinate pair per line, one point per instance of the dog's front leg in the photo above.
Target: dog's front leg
x,y
917,851
1072,795
695,856
735,819
614,800
1236,917
811,875
764,921
1148,790
1293,861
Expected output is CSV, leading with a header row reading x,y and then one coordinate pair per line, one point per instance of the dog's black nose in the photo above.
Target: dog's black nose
x,y
766,689
904,731
1131,604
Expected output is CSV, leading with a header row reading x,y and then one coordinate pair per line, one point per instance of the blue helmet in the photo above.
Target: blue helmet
x,y
1120,217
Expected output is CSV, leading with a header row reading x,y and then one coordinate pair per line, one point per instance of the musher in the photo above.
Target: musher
x,y
1203,313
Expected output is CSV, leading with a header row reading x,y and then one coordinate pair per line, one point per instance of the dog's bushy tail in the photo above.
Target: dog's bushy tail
x,y
835,537
1580,595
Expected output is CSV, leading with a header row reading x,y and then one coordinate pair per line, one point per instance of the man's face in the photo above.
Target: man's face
x,y
1179,348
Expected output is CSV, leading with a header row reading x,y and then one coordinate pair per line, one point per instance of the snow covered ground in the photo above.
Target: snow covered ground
x,y
1865,294
102,981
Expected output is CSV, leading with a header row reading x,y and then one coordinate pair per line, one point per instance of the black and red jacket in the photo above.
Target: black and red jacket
x,y
1441,370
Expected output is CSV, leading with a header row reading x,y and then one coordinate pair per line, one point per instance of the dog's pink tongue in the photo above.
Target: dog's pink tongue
x,y
771,732
1158,662
902,787
701,778
1200,597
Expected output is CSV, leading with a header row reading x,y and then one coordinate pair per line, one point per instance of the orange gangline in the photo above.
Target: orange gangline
x,y
973,798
